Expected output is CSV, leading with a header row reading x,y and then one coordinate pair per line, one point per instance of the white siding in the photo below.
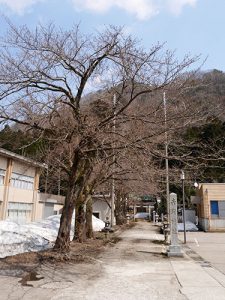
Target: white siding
x,y
102,208
3,163
23,169
217,224
20,195
2,176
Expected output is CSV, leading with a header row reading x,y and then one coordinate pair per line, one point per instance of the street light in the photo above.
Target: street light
x,y
158,200
113,164
182,177
195,184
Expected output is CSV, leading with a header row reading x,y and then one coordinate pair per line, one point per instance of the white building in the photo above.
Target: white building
x,y
101,206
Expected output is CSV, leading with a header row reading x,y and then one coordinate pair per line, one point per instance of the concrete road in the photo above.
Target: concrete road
x,y
133,269
209,245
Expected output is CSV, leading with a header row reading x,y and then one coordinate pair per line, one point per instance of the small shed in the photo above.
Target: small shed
x,y
101,205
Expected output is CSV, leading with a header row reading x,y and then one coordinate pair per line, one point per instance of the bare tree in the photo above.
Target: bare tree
x,y
44,75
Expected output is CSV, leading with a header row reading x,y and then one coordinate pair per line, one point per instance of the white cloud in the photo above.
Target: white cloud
x,y
176,6
141,9
19,6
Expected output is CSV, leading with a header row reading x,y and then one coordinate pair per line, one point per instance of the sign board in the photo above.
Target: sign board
x,y
174,248
195,200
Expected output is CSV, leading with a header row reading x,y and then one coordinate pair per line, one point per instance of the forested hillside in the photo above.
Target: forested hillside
x,y
199,148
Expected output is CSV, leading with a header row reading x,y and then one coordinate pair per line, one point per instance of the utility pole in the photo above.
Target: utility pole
x,y
113,165
59,182
182,177
166,159
46,180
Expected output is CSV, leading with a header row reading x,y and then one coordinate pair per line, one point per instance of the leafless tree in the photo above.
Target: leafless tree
x,y
44,76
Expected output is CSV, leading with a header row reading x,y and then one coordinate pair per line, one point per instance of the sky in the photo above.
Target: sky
x,y
194,27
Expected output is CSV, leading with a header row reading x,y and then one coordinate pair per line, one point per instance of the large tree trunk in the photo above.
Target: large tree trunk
x,y
89,211
120,209
85,172
79,174
79,230
63,239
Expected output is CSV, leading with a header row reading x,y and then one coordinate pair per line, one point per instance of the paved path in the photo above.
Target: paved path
x,y
132,269
209,245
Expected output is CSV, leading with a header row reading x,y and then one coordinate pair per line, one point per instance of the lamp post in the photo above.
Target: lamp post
x,y
166,157
182,177
113,164
158,200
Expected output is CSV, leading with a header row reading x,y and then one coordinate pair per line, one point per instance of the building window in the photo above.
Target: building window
x,y
22,181
2,176
221,205
19,212
214,209
217,209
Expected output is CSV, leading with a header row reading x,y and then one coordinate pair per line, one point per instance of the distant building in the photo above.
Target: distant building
x,y
20,200
211,206
102,205
136,204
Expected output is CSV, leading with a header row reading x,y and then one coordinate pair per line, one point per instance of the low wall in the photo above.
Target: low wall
x,y
212,225
217,224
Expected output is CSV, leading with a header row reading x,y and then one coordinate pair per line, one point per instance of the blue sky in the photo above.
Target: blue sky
x,y
187,26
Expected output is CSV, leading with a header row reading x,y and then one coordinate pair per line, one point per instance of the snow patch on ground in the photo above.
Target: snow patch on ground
x,y
34,236
189,226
